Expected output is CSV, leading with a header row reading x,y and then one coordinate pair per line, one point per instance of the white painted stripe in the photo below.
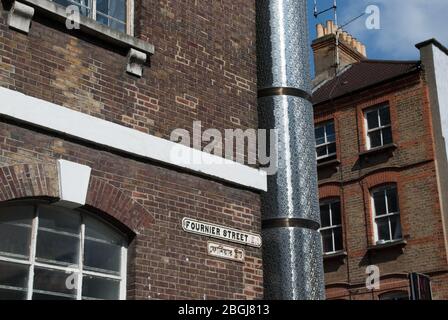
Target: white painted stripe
x,y
80,125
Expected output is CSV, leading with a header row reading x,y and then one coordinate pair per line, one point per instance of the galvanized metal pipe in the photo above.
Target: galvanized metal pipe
x,y
292,252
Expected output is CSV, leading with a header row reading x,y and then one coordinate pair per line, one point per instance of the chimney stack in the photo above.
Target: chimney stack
x,y
324,47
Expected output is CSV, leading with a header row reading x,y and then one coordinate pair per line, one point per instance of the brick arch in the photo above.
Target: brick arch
x,y
329,191
111,200
380,178
41,180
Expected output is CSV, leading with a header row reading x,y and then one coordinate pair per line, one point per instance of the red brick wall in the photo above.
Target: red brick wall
x,y
204,69
411,167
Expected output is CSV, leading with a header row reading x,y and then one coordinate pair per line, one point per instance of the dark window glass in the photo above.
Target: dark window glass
x,y
58,238
321,151
325,215
375,139
15,230
395,227
13,277
332,148
336,213
327,240
385,116
338,239
372,119
392,201
380,203
102,247
320,135
99,288
52,283
330,132
383,229
387,136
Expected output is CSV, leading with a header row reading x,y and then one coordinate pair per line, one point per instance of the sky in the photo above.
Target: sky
x,y
403,23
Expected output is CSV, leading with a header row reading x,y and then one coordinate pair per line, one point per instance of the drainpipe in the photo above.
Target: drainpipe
x,y
292,249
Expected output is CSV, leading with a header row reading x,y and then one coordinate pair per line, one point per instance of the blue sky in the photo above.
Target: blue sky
x,y
404,23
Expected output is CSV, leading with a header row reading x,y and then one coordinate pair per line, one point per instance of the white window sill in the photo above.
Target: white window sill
x,y
23,11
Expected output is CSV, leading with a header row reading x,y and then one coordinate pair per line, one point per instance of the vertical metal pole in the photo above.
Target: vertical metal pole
x,y
292,253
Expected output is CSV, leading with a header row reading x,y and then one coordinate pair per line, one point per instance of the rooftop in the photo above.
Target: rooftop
x,y
362,75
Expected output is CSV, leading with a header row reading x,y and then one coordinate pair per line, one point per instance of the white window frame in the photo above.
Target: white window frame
x,y
130,8
332,227
388,214
380,128
326,143
78,271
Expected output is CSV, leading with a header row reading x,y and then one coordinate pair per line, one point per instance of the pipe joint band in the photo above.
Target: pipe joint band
x,y
290,223
284,91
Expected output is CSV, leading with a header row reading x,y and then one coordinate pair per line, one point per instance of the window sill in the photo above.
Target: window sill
x,y
335,255
392,244
324,163
23,11
384,149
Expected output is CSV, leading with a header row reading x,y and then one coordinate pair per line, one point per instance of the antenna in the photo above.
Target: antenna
x,y
317,13
334,7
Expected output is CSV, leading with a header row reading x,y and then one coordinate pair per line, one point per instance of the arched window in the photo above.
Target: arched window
x,y
386,213
48,252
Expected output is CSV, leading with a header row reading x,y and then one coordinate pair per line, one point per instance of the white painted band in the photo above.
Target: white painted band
x,y
101,132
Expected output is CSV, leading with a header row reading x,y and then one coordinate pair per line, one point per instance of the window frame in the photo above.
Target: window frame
x,y
388,214
380,127
326,144
78,271
332,227
129,23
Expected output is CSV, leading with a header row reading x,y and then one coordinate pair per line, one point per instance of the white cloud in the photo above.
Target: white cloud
x,y
404,23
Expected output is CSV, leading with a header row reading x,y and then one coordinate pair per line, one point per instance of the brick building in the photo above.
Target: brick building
x,y
87,183
382,166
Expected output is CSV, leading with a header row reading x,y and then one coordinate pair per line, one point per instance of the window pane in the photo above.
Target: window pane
x,y
372,119
15,230
102,19
379,202
103,256
325,215
392,200
52,284
13,281
116,25
336,213
375,139
332,148
321,151
83,5
57,248
99,288
329,128
320,135
118,9
58,236
102,247
385,116
387,136
9,294
59,219
396,227
102,6
327,241
338,239
383,229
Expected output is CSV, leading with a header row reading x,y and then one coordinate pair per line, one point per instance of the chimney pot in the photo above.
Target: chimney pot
x,y
320,30
330,26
